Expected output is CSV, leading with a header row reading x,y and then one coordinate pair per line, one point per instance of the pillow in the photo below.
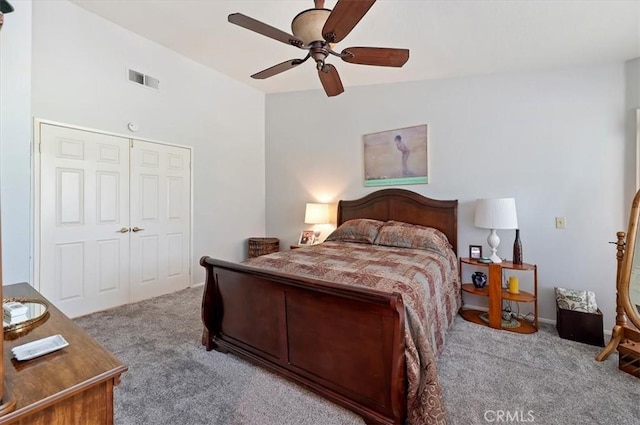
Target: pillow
x,y
578,300
360,230
405,235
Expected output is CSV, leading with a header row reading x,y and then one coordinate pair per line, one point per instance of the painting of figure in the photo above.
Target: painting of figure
x,y
396,157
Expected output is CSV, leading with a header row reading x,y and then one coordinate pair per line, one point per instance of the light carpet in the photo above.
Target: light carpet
x,y
172,379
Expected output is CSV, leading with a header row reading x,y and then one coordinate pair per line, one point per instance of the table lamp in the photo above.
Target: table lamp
x,y
316,214
496,214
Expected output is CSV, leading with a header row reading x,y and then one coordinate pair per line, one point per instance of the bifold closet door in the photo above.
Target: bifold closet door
x,y
114,219
84,219
160,219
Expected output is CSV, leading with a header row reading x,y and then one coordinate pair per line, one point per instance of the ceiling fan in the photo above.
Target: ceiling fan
x,y
317,30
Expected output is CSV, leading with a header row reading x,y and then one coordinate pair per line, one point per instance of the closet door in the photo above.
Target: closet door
x,y
160,219
84,219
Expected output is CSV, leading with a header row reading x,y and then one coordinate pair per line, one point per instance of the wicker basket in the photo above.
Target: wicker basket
x,y
262,246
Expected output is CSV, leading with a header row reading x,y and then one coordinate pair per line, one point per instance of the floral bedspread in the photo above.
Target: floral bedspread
x,y
430,288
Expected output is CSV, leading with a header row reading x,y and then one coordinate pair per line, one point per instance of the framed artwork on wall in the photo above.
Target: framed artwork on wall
x,y
396,157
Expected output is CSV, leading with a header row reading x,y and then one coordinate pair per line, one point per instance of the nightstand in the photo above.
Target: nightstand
x,y
496,294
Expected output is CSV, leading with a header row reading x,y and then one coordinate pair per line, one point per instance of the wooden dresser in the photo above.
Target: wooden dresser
x,y
71,386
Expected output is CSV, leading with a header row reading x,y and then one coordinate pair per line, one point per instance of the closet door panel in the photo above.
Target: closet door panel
x,y
160,219
84,207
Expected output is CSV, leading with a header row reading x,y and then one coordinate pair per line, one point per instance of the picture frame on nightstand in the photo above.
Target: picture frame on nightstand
x,y
307,237
475,251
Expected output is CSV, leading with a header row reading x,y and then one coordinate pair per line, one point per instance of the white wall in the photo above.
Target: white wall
x,y
553,140
632,103
15,137
79,78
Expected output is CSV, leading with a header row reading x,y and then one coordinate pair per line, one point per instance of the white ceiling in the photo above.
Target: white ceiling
x,y
446,38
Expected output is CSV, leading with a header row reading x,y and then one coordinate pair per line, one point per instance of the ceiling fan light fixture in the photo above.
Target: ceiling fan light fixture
x,y
307,25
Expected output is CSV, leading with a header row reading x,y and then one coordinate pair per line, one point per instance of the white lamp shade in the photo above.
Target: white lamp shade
x,y
496,213
316,213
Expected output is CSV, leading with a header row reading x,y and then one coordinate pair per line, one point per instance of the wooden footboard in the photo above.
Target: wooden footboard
x,y
344,343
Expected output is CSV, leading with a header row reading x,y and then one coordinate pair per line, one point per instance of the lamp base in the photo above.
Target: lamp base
x,y
494,241
495,259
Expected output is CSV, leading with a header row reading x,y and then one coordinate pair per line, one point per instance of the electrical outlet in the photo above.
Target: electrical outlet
x,y
561,223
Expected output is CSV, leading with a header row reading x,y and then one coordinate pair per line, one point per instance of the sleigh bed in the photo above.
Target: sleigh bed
x,y
365,341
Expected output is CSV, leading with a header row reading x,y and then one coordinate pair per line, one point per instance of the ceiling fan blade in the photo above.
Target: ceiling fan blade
x,y
379,56
264,29
277,69
330,80
344,16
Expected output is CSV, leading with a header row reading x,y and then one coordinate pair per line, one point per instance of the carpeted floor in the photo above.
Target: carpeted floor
x,y
537,378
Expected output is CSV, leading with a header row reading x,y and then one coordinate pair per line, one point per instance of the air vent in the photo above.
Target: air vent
x,y
143,80
149,81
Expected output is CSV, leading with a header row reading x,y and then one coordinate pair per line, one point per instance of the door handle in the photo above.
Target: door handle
x,y
123,230
136,229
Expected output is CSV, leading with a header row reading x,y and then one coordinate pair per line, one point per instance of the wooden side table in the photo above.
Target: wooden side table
x,y
496,293
296,246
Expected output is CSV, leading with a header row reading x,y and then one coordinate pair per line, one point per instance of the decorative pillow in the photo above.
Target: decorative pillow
x,y
579,300
360,230
405,235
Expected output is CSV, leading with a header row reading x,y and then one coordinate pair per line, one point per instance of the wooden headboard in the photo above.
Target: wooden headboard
x,y
407,206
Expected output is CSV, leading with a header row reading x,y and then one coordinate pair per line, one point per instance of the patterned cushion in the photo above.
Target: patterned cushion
x,y
569,299
360,230
405,235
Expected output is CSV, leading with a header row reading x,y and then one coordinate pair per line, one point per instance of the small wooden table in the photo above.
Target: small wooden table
x,y
73,385
496,294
